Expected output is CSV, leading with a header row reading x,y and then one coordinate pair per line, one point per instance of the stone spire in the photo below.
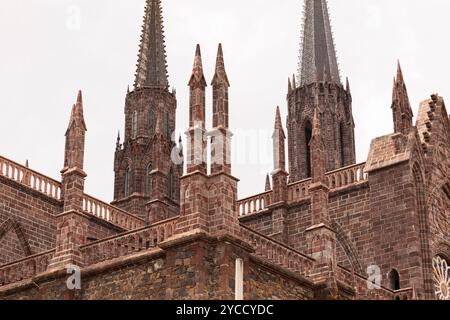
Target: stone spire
x,y
75,136
220,76
279,175
279,138
317,51
72,223
220,134
152,62
401,107
267,187
197,110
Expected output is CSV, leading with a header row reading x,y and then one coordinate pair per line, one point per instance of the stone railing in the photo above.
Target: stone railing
x,y
30,178
299,191
111,214
347,176
278,253
405,294
254,204
25,268
128,243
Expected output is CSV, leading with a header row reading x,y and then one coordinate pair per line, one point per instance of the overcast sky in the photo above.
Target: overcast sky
x,y
45,57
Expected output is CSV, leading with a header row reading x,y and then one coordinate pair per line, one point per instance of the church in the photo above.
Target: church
x,y
325,228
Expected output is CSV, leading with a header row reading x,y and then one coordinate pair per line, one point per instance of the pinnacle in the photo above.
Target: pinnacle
x,y
80,97
399,73
267,187
197,71
76,115
278,123
198,52
220,75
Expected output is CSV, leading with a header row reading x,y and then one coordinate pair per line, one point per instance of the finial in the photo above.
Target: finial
x,y
197,70
220,75
294,85
26,164
268,187
278,123
347,85
289,85
80,97
399,73
118,140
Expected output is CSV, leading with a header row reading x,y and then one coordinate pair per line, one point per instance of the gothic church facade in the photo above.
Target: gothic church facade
x,y
325,227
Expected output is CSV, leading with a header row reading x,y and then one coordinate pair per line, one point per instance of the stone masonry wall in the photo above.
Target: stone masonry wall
x,y
34,213
197,269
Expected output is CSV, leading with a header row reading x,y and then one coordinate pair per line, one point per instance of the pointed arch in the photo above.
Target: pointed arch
x,y
12,224
148,179
307,129
151,121
394,280
127,181
134,125
171,184
348,247
342,143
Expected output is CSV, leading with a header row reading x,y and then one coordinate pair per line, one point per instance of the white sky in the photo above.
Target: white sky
x,y
44,60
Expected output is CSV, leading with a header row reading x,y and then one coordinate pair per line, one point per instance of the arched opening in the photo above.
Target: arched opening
x,y
170,187
308,136
151,121
394,280
127,182
134,123
167,124
341,144
148,180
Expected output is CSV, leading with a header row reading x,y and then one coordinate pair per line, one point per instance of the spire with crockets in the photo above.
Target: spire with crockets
x,y
152,63
317,50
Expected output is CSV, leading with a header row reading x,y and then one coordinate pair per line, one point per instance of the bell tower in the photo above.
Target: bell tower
x,y
146,172
318,86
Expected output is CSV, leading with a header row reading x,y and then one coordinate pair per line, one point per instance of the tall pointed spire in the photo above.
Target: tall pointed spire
x,y
317,51
152,62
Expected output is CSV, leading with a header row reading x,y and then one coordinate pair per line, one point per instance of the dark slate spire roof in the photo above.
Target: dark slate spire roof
x,y
152,63
317,50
